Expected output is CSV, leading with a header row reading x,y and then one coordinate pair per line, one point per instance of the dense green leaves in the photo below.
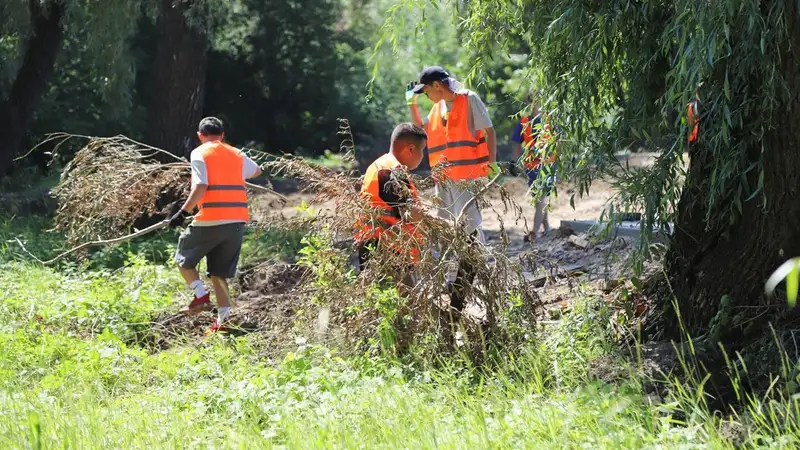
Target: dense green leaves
x,y
618,75
280,72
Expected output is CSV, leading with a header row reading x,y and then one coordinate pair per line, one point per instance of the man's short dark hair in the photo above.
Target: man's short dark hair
x,y
211,126
409,132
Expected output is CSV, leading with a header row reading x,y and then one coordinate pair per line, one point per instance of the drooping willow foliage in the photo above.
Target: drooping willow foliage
x,y
618,75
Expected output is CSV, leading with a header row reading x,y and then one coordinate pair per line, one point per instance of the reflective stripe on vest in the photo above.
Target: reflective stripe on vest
x,y
693,121
452,146
377,226
226,195
532,158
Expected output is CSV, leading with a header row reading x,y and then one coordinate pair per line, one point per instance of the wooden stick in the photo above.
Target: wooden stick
x,y
116,240
475,197
267,190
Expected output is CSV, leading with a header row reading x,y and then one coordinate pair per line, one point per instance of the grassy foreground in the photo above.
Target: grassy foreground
x,y
73,376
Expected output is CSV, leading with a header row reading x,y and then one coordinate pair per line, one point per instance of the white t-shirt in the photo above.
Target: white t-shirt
x,y
477,116
200,176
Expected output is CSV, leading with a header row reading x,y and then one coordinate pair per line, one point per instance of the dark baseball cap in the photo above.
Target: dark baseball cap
x,y
428,76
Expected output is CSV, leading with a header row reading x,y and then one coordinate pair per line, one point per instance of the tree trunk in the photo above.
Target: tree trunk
x,y
30,83
717,275
178,78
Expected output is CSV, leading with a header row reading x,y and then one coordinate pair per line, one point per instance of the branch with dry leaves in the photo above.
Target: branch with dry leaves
x,y
113,182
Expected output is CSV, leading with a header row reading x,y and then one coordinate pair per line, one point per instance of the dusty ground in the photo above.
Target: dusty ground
x,y
554,247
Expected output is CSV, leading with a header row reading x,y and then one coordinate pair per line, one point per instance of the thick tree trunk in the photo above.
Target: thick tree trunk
x,y
178,78
38,64
717,275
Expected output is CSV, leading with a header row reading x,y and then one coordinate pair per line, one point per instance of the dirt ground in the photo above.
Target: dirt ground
x,y
555,247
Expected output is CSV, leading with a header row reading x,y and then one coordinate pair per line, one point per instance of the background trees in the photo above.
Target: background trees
x,y
618,75
279,72
33,34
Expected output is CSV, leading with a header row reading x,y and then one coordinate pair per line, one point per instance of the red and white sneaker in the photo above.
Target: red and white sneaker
x,y
216,327
198,305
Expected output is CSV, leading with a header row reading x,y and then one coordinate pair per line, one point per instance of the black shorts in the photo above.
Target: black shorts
x,y
219,244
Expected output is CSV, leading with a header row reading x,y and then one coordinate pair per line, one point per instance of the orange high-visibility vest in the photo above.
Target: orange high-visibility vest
x,y
226,196
693,121
531,144
374,228
450,143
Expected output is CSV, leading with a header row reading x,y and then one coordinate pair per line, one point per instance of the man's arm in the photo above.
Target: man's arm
x,y
415,115
395,191
491,142
199,182
480,120
413,211
516,150
197,192
250,169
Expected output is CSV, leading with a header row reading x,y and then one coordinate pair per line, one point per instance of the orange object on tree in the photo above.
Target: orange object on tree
x,y
693,121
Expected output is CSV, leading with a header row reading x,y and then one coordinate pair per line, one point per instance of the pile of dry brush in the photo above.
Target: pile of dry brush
x,y
501,303
114,182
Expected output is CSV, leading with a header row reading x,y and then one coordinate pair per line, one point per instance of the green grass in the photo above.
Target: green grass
x,y
72,375
331,160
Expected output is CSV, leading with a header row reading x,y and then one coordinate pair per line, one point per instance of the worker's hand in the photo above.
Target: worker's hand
x,y
494,170
411,97
178,219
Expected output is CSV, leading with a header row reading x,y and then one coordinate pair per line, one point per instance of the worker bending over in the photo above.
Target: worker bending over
x,y
462,146
219,172
530,144
391,192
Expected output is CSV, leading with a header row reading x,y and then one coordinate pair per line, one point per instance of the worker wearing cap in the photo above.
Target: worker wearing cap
x,y
219,172
462,146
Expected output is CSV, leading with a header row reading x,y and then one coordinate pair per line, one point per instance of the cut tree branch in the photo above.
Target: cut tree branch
x,y
117,240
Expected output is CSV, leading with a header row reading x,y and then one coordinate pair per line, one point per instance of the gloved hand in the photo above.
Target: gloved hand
x,y
411,97
178,219
494,170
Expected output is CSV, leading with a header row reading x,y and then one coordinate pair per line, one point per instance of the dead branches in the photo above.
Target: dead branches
x,y
112,182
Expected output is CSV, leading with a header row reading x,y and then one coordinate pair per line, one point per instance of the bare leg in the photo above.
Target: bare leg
x,y
221,291
546,221
200,302
540,217
189,275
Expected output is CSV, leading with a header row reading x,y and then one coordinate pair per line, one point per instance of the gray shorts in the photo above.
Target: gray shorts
x,y
454,198
220,244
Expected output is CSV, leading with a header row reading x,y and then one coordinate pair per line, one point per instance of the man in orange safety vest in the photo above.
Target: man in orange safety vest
x,y
219,172
530,144
462,146
393,196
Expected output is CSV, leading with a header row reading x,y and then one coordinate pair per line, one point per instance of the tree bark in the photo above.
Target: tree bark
x,y
716,275
177,80
30,83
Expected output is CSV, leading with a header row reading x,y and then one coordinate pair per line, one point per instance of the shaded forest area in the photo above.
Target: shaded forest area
x,y
279,73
